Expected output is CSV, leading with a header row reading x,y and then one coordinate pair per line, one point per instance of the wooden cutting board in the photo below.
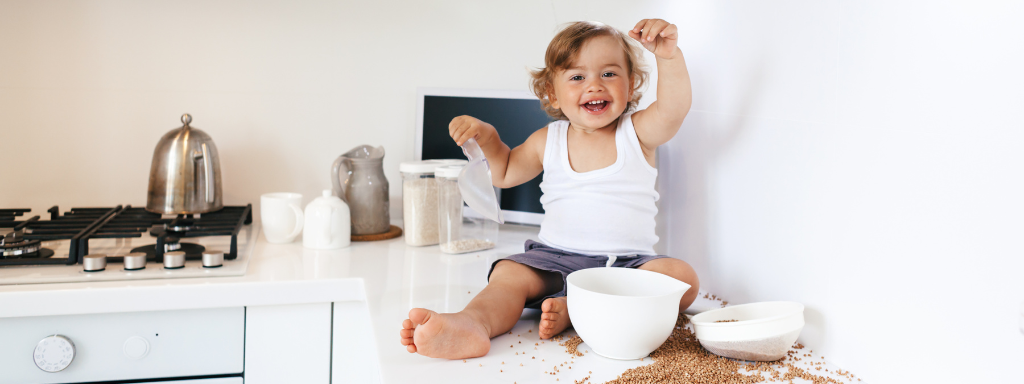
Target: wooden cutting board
x,y
390,234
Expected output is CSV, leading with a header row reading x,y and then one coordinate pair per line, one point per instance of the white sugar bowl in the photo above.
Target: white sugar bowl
x,y
327,223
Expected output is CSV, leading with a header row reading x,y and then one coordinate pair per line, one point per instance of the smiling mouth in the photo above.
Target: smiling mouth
x,y
596,106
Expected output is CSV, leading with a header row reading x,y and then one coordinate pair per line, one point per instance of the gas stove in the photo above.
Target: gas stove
x,y
123,243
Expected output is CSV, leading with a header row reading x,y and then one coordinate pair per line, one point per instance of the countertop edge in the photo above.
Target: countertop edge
x,y
128,298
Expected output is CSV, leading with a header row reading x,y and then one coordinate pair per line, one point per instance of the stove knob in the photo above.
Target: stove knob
x,y
94,262
213,259
174,260
134,261
54,353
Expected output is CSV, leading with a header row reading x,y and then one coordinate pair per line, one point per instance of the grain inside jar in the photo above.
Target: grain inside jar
x,y
419,200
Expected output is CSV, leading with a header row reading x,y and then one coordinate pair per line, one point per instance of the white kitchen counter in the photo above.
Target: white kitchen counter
x,y
277,275
390,276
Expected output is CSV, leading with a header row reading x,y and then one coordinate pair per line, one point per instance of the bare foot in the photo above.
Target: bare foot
x,y
447,335
555,318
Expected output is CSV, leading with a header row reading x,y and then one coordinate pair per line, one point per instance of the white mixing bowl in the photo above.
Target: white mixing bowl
x,y
756,331
623,313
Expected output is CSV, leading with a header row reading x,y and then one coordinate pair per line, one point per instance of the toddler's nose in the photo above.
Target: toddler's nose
x,y
594,85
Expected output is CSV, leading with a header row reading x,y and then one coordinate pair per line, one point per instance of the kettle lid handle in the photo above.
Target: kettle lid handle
x,y
186,119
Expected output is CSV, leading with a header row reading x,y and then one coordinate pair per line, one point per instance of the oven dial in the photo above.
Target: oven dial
x,y
54,353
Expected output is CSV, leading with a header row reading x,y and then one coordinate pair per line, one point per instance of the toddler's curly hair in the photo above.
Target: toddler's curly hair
x,y
565,48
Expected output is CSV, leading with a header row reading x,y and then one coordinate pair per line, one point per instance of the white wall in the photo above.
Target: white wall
x,y
863,158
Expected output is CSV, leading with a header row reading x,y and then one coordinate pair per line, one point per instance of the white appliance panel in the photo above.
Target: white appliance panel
x,y
127,346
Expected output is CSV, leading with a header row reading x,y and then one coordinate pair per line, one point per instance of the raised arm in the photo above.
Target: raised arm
x,y
657,124
509,167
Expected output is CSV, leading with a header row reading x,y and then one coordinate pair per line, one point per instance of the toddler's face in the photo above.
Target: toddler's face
x,y
595,90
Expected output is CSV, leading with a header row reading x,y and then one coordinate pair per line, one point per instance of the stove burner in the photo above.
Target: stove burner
x,y
192,251
14,245
180,225
168,247
179,228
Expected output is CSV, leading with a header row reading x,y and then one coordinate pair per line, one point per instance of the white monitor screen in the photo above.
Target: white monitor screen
x,y
515,115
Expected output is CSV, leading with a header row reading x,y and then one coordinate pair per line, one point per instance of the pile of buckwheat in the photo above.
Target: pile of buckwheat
x,y
681,359
571,344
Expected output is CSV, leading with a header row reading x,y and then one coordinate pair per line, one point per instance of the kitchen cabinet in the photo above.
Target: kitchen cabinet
x,y
278,344
292,316
288,344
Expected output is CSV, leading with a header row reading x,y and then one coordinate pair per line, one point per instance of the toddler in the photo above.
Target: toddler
x,y
598,184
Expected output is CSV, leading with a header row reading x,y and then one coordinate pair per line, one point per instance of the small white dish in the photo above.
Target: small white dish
x,y
757,331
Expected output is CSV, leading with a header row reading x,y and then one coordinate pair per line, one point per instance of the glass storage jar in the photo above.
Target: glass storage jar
x,y
458,233
419,200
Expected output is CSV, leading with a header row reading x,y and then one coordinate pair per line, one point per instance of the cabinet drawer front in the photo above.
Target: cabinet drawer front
x,y
127,346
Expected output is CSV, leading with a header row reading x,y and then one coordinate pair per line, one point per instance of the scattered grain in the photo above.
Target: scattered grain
x,y
726,321
466,245
682,359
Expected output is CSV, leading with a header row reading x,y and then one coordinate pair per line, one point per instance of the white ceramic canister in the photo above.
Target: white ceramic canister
x,y
419,200
328,223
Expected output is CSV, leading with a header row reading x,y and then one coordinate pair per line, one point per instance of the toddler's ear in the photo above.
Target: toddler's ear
x,y
554,102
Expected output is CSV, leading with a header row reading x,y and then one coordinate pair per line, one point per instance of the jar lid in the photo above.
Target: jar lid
x,y
448,171
427,166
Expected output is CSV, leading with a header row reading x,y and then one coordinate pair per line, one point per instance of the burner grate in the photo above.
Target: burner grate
x,y
79,225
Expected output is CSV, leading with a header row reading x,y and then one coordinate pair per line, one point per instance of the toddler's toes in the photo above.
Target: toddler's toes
x,y
555,317
418,316
550,305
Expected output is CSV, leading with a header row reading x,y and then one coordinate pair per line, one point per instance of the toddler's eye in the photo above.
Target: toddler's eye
x,y
609,74
576,78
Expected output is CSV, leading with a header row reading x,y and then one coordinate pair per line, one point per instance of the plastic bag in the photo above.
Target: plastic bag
x,y
475,183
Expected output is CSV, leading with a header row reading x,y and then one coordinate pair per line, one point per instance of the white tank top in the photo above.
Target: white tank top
x,y
608,211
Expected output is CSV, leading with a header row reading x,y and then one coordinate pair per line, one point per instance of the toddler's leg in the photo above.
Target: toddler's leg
x,y
681,271
495,310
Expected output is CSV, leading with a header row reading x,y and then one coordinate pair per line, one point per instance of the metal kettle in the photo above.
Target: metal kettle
x,y
185,176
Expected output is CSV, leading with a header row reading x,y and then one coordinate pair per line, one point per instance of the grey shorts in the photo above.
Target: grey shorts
x,y
545,258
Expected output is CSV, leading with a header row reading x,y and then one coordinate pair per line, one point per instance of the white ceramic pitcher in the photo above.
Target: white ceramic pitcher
x,y
327,224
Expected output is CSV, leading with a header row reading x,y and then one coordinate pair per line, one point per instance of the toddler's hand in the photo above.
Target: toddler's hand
x,y
657,35
464,127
